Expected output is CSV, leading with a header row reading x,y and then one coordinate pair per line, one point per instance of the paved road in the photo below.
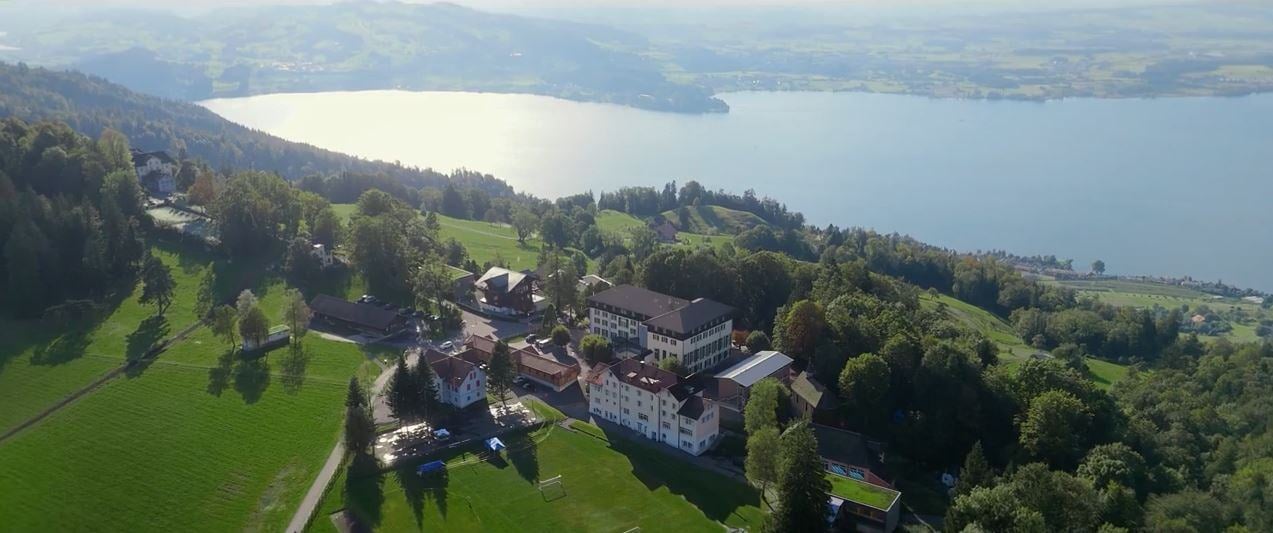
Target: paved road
x,y
315,493
475,324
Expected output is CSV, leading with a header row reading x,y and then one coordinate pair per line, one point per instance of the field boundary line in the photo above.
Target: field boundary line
x,y
150,355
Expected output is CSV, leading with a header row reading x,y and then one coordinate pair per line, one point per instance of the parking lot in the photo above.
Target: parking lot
x,y
419,440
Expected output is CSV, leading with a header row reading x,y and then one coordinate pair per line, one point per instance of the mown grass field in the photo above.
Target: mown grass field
x,y
485,241
712,220
1012,350
609,486
41,364
197,440
617,223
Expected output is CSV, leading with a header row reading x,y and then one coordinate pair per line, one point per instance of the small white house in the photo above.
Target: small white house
x,y
324,256
156,171
459,382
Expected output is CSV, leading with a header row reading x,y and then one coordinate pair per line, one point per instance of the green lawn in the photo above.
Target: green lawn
x,y
39,365
609,486
861,492
618,223
713,219
197,440
486,241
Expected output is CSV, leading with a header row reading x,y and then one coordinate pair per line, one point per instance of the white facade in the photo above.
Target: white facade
x,y
615,327
658,416
697,353
467,392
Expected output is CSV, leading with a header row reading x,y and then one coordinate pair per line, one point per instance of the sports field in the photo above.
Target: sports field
x,y
606,486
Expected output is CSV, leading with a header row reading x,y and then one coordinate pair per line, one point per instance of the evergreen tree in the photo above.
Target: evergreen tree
x,y
427,390
360,429
355,397
802,484
976,472
401,394
502,371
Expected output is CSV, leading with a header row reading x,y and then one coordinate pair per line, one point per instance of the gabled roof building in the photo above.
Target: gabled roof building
x,y
655,403
695,332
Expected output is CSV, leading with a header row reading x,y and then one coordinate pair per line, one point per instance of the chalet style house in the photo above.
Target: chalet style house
x,y
696,332
534,367
655,403
506,292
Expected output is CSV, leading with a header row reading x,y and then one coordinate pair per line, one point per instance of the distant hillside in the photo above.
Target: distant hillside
x,y
712,219
89,105
355,46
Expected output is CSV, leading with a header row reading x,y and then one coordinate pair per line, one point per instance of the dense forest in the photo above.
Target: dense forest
x,y
70,217
91,105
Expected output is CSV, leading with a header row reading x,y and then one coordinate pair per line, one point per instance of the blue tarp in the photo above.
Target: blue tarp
x,y
495,444
433,466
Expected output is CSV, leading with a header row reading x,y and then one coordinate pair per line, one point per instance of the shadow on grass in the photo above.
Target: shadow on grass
x,y
415,486
219,376
251,378
364,488
523,451
142,344
294,363
718,496
63,349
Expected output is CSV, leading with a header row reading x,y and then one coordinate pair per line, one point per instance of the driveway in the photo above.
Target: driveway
x,y
481,326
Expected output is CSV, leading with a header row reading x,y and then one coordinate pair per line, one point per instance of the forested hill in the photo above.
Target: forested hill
x,y
354,46
90,105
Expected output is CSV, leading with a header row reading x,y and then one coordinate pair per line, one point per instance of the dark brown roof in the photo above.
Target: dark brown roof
x,y
638,301
693,408
364,315
690,318
812,392
647,377
848,447
452,370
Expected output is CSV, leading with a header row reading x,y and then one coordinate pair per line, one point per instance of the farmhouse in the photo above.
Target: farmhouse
x,y
459,382
506,292
665,231
541,370
694,332
156,171
365,318
734,383
655,403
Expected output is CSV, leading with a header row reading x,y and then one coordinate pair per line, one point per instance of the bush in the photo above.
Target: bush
x,y
595,349
561,336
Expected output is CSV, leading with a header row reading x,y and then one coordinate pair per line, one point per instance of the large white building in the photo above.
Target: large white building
x,y
459,382
695,332
655,403
157,171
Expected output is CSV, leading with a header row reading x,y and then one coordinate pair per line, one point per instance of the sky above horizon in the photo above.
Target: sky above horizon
x,y
519,5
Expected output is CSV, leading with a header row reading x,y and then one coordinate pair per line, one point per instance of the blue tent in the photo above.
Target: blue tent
x,y
430,467
495,444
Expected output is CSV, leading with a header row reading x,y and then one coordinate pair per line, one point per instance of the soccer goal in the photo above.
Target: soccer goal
x,y
552,488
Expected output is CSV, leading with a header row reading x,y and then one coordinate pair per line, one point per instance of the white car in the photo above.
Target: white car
x,y
447,346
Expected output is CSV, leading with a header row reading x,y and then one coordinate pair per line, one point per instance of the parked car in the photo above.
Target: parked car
x,y
442,434
406,312
447,346
529,386
519,380
368,299
530,339
544,344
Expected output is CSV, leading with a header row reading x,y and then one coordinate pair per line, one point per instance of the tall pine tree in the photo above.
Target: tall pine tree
x,y
802,485
501,374
401,394
426,390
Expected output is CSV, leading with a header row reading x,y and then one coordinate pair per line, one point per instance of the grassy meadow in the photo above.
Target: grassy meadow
x,y
609,485
713,220
1129,293
197,440
1012,350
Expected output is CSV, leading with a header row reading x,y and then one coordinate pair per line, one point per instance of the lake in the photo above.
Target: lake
x,y
1151,186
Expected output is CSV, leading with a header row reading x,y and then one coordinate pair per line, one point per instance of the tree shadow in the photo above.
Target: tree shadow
x,y
364,488
64,349
294,364
251,378
142,342
718,496
523,452
219,376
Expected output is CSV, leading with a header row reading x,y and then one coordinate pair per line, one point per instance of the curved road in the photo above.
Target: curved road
x,y
315,494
